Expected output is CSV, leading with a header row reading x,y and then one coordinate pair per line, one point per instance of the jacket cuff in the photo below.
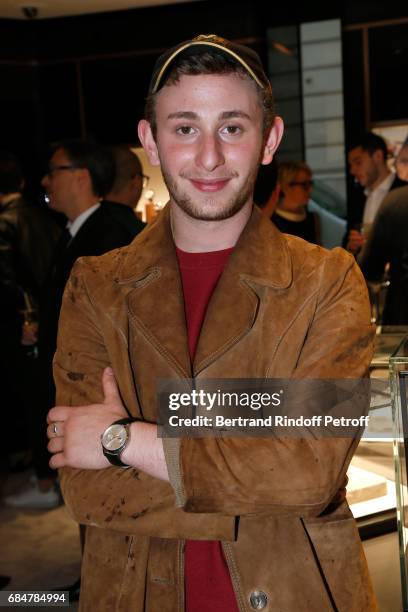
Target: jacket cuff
x,y
171,448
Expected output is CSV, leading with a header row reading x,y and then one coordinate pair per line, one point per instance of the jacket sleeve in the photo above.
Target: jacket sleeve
x,y
287,475
126,500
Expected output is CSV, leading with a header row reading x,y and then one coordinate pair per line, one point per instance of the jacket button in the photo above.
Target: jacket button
x,y
258,600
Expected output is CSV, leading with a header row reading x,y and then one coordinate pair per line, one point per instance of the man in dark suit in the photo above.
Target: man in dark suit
x,y
127,188
368,165
79,175
388,244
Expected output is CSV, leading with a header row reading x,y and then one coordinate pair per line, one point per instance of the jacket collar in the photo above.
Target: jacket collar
x,y
261,252
156,304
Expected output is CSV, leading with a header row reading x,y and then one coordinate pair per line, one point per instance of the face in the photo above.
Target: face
x,y
363,166
209,143
401,164
60,182
297,192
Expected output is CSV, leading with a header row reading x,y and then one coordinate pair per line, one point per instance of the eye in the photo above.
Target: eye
x,y
232,130
185,130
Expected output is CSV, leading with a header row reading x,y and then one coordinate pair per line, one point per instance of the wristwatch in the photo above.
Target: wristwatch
x,y
115,439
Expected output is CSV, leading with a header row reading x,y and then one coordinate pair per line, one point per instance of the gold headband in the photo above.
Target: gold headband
x,y
210,44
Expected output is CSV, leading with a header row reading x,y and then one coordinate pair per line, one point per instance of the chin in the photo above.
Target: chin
x,y
211,211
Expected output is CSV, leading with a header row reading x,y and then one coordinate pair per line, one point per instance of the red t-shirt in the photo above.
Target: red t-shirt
x,y
208,586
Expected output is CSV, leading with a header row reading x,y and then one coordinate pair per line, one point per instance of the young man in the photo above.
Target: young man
x,y
388,244
210,290
368,164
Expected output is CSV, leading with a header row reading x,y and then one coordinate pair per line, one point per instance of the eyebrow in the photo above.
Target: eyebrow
x,y
183,115
233,114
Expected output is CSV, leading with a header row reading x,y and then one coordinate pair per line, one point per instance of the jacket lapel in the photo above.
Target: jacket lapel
x,y
156,304
155,300
234,305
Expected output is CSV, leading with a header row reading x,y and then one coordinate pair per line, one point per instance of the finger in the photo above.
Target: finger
x,y
59,413
56,430
57,461
110,388
56,445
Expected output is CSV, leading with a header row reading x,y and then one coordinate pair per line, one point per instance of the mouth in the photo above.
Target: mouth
x,y
209,186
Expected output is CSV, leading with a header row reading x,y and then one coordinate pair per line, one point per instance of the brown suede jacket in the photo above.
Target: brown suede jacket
x,y
282,308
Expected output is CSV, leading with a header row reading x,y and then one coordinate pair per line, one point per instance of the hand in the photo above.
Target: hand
x,y
75,432
355,241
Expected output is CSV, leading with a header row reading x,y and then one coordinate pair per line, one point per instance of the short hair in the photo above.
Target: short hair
x,y
127,166
214,62
288,170
371,142
97,159
265,182
11,174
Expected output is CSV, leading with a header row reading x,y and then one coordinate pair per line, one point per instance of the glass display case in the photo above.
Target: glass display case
x,y
371,491
399,397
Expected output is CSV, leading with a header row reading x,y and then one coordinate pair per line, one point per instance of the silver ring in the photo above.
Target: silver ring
x,y
55,429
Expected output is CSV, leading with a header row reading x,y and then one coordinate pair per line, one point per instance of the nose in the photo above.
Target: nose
x,y
210,155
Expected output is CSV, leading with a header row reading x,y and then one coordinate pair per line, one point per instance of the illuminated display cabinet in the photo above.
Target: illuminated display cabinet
x,y
399,398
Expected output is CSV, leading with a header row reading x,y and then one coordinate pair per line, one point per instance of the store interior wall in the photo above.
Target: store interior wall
x,y
88,75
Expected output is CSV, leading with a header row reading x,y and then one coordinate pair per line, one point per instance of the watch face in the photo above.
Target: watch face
x,y
114,437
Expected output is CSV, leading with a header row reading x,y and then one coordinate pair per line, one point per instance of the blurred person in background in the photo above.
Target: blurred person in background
x,y
291,215
27,237
126,190
387,246
80,173
401,162
368,165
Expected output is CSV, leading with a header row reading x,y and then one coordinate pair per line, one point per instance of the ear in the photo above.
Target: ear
x,y
378,157
148,142
272,141
83,177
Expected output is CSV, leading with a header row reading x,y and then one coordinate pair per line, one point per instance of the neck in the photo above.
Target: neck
x,y
121,197
385,172
79,207
196,236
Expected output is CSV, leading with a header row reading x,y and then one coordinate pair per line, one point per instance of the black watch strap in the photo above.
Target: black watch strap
x,y
113,458
126,421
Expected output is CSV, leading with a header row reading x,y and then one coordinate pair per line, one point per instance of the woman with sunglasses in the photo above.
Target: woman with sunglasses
x,y
291,215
